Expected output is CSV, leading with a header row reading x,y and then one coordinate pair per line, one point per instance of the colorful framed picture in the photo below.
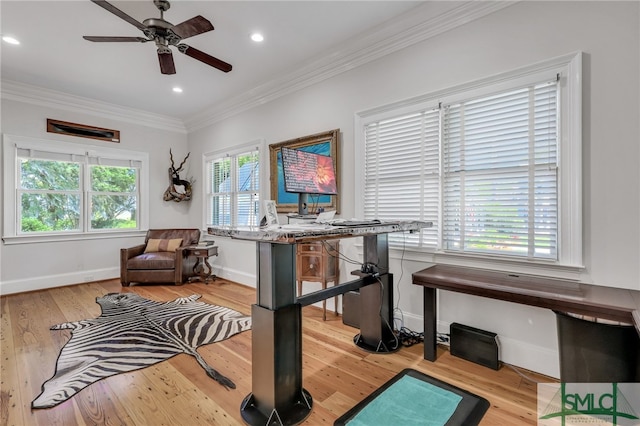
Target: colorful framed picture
x,y
325,143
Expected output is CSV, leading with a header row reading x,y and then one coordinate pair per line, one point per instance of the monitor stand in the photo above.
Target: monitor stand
x,y
303,209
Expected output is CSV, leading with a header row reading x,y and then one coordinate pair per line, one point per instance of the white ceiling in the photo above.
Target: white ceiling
x,y
54,55
304,41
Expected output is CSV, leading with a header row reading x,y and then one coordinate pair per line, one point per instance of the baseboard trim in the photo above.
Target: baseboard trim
x,y
51,281
511,351
235,275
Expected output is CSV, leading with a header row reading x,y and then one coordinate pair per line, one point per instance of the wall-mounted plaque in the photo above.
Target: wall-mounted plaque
x,y
82,130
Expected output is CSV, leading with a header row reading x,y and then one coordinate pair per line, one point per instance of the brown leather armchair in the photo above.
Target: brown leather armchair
x,y
152,263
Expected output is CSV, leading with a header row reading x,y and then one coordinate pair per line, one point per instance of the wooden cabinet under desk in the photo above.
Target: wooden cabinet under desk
x,y
318,262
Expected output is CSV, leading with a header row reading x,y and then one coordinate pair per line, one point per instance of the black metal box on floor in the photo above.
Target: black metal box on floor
x,y
474,345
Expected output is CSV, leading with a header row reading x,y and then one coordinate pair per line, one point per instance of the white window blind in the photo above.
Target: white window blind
x,y
233,188
219,205
248,187
500,173
485,169
504,156
401,179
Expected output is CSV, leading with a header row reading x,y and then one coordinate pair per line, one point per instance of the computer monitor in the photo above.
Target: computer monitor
x,y
307,173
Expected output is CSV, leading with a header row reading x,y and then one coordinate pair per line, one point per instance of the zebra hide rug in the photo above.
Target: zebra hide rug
x,y
132,333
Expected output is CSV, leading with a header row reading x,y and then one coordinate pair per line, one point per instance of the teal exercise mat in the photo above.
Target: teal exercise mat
x,y
413,398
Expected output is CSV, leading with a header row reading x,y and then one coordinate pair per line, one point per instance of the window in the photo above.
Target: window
x,y
401,178
493,164
233,188
113,195
499,181
59,188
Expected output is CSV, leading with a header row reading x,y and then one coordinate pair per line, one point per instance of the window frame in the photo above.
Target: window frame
x,y
465,169
569,69
11,234
257,145
94,193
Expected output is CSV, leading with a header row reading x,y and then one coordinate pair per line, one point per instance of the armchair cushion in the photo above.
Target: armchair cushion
x,y
156,260
155,245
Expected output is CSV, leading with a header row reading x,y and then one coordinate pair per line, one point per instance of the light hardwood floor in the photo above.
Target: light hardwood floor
x,y
177,392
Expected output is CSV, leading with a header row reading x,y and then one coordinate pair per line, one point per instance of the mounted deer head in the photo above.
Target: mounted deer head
x,y
179,189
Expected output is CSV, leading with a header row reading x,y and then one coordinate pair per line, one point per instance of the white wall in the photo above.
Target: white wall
x,y
522,34
25,267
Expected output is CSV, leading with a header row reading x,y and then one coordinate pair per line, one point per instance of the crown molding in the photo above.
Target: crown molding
x,y
415,26
41,96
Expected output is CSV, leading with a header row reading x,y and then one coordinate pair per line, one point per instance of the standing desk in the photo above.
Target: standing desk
x,y
277,396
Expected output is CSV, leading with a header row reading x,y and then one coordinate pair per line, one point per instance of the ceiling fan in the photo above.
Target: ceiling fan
x,y
164,34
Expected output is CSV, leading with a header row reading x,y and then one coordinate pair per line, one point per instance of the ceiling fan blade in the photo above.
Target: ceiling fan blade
x,y
192,27
120,14
166,62
118,39
203,57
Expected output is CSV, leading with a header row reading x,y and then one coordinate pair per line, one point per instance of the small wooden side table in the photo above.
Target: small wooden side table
x,y
318,262
202,268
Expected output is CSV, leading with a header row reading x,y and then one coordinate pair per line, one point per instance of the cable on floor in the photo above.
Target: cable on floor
x,y
408,337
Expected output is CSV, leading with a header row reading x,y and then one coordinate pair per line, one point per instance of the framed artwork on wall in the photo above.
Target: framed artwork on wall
x,y
325,143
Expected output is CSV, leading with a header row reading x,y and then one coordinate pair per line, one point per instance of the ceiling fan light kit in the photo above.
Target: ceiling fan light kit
x,y
164,34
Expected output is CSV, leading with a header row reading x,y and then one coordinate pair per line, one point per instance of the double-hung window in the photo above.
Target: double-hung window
x,y
495,165
57,188
233,187
499,181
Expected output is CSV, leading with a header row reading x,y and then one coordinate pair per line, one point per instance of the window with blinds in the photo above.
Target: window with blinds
x,y
75,190
484,170
233,188
401,173
499,173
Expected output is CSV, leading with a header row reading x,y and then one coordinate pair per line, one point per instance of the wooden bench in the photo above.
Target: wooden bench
x,y
591,301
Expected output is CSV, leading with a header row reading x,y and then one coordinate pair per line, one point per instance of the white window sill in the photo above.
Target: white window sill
x,y
50,238
541,268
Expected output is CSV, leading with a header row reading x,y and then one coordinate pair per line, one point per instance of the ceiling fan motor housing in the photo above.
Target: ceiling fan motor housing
x,y
163,5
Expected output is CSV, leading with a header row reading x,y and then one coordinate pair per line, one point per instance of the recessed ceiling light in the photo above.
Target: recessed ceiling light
x,y
257,37
177,89
10,40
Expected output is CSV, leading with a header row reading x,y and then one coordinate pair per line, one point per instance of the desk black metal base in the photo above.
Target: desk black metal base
x,y
381,347
376,333
276,368
296,412
278,397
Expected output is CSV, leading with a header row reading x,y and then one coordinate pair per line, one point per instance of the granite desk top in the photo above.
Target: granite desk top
x,y
297,233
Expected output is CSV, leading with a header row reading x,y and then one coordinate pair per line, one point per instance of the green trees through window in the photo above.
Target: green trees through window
x,y
53,196
113,197
50,199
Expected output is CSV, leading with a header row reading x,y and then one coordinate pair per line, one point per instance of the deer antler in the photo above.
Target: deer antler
x,y
183,161
173,166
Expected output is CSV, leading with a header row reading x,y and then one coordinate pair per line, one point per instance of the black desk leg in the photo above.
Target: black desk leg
x,y
376,313
430,324
277,396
